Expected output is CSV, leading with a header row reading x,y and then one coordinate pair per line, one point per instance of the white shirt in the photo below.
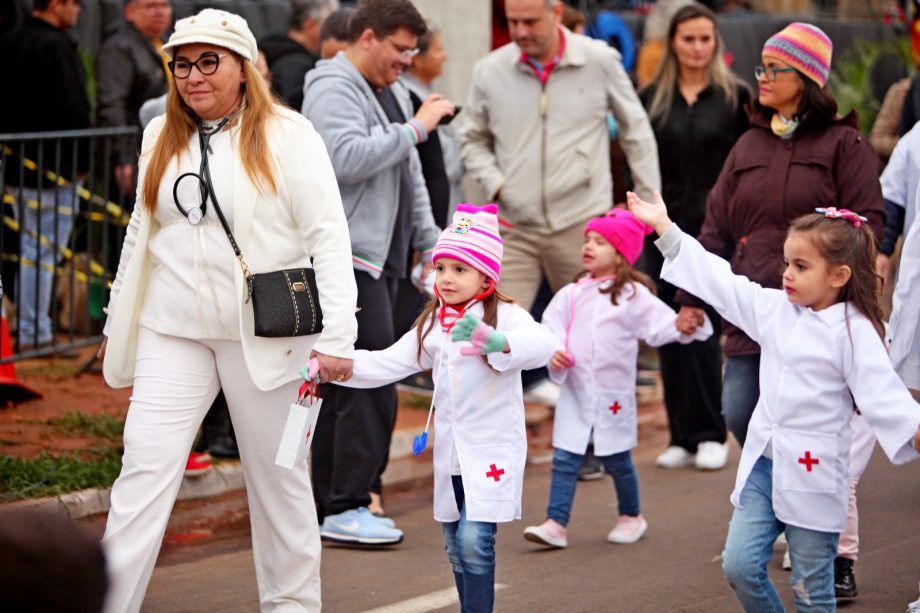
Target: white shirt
x,y
599,391
479,410
192,292
813,366
903,331
902,175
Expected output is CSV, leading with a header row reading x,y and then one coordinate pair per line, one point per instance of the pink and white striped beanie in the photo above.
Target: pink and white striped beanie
x,y
472,237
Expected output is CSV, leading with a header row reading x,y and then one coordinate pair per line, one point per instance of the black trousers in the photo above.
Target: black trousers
x,y
691,374
355,426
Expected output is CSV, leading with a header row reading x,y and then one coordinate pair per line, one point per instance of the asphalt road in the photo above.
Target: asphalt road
x,y
674,568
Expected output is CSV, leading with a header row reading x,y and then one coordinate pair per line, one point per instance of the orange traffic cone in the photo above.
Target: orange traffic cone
x,y
11,390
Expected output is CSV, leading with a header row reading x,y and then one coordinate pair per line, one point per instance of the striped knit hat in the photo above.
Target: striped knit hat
x,y
472,237
804,47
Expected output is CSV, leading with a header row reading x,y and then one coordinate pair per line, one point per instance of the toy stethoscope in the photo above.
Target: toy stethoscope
x,y
568,326
447,321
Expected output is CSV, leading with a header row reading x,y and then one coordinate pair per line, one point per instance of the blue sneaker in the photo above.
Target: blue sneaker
x,y
358,527
384,520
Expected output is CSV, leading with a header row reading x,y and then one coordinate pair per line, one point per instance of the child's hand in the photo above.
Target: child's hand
x,y
654,214
483,337
561,359
689,319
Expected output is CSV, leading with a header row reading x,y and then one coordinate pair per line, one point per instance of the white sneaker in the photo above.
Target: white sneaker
x,y
545,392
550,533
711,455
787,561
628,530
674,457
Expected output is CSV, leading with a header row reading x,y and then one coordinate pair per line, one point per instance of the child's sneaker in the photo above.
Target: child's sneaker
x,y
197,464
844,579
550,533
914,607
674,457
358,527
628,530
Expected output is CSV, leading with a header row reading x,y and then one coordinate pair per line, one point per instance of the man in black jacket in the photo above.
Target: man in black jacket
x,y
290,56
130,70
42,63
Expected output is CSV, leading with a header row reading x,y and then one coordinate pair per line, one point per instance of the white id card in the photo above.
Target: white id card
x,y
298,433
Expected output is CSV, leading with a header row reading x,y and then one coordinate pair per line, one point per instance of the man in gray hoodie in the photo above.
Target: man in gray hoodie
x,y
366,120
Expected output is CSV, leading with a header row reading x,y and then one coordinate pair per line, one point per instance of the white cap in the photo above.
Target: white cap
x,y
214,27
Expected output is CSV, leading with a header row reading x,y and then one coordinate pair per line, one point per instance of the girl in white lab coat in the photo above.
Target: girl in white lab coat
x,y
823,356
476,342
598,321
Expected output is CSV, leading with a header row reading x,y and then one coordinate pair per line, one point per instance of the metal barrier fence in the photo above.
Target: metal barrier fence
x,y
64,211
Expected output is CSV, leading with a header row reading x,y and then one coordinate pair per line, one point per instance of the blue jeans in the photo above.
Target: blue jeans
x,y
749,547
52,219
740,393
565,476
470,547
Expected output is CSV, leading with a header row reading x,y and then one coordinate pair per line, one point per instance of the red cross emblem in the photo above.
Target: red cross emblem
x,y
808,461
496,472
615,407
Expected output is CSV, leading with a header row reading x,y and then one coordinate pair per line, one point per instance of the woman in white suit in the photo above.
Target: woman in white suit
x,y
180,325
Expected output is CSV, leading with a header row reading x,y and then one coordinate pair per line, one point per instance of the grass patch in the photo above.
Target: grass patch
x,y
49,475
94,426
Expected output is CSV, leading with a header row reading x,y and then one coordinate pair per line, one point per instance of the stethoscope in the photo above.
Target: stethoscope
x,y
205,186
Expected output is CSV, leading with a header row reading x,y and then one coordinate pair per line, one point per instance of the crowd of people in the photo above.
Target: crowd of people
x,y
326,152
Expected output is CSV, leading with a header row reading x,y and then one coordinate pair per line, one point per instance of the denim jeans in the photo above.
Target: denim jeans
x,y
470,547
740,393
749,547
52,219
565,477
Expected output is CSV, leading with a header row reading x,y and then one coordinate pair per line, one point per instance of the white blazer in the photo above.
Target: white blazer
x,y
599,391
813,366
478,409
274,231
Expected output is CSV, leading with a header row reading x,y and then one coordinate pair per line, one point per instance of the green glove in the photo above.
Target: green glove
x,y
483,338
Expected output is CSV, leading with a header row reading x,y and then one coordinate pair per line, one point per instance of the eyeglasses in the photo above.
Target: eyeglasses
x,y
207,64
405,55
770,72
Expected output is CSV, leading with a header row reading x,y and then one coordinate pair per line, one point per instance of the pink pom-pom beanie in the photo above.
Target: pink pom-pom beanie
x,y
472,237
622,230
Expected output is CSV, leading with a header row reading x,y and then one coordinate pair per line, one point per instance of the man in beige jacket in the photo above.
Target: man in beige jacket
x,y
534,136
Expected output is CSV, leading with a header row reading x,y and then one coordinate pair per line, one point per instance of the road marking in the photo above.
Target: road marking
x,y
426,602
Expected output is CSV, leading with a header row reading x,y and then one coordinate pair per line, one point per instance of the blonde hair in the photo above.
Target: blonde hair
x,y
181,123
717,72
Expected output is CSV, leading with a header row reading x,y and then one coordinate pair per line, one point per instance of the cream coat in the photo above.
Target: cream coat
x,y
303,219
479,410
599,391
813,366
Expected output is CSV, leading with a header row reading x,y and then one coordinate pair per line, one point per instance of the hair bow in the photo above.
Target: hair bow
x,y
850,216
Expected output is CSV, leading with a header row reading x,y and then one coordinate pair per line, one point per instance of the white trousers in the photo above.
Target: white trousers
x,y
175,382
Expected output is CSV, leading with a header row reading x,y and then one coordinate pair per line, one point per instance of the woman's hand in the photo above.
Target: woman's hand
x,y
100,355
689,319
654,214
561,360
332,368
483,337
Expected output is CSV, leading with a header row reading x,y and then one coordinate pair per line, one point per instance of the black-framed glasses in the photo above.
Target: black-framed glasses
x,y
207,64
770,72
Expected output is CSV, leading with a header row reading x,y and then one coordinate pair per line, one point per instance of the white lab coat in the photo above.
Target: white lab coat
x,y
599,391
478,409
813,366
903,331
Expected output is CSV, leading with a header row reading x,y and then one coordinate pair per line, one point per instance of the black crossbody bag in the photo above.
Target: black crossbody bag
x,y
284,302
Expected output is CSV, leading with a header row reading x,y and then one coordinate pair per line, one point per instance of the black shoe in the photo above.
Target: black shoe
x,y
223,446
844,579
